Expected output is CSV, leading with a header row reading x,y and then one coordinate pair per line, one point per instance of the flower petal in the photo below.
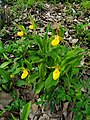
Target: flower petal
x,y
31,27
12,76
56,74
56,41
24,74
20,33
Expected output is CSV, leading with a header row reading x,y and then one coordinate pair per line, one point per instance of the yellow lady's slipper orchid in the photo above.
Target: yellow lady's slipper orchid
x,y
24,74
31,27
56,40
20,33
56,73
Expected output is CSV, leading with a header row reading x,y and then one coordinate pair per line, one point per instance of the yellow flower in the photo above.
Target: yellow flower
x,y
12,76
56,73
20,33
24,74
31,27
56,41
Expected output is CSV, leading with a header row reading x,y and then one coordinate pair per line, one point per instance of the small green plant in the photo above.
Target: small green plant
x,y
82,31
28,3
85,5
63,1
25,112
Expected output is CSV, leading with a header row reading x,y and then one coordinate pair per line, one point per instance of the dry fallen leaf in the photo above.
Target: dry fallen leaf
x,y
5,98
65,107
1,107
34,108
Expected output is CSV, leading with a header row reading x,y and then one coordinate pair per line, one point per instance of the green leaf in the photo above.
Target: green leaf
x,y
61,31
3,81
51,59
68,98
1,45
5,56
5,64
31,18
87,117
58,60
25,112
5,75
30,2
13,117
36,60
33,77
75,70
42,70
48,28
50,82
20,83
72,58
87,110
17,71
39,86
73,53
79,95
52,54
21,27
39,41
5,87
80,104
78,116
29,65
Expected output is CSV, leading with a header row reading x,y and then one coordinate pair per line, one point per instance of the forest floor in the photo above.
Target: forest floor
x,y
76,24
